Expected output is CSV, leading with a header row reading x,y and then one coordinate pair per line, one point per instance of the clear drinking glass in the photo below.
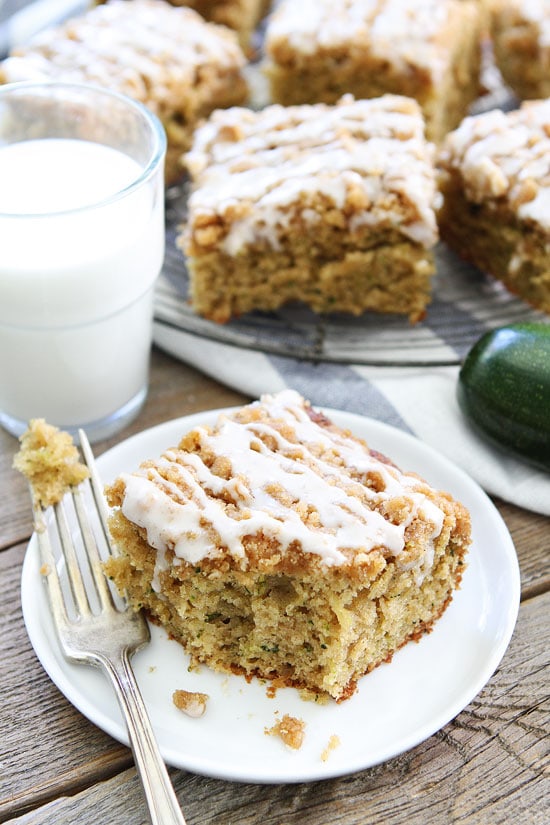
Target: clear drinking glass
x,y
81,246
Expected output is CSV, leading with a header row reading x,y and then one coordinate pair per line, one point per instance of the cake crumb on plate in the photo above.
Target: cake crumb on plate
x,y
192,703
290,729
333,743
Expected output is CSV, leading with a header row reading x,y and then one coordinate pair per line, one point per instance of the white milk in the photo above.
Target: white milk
x,y
76,283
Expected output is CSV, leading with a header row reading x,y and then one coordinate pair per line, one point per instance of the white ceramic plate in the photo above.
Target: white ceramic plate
x,y
396,707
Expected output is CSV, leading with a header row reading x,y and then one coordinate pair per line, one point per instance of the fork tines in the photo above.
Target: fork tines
x,y
74,541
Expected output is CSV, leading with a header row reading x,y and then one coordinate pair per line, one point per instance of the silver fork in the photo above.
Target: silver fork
x,y
93,628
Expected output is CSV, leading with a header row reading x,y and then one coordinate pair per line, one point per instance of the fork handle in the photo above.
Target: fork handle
x,y
164,808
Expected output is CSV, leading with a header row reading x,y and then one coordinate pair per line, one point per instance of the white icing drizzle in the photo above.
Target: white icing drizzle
x,y
506,155
261,171
197,510
145,48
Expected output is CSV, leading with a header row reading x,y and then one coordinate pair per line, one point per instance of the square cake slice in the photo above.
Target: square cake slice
x,y
275,544
521,40
318,50
495,181
329,205
167,58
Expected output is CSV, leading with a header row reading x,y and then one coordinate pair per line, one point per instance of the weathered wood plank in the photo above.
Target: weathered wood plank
x,y
531,535
487,767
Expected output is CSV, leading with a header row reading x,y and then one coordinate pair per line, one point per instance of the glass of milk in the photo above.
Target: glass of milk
x,y
81,246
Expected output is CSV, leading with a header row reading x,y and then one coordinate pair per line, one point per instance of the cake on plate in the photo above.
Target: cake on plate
x,y
170,59
276,544
329,205
318,50
495,181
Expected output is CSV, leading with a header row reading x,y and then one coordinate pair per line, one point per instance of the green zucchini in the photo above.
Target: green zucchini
x,y
504,389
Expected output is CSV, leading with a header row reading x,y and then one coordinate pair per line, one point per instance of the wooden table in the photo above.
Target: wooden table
x,y
488,766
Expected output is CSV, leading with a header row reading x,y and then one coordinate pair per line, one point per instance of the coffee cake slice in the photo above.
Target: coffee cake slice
x,y
331,206
275,544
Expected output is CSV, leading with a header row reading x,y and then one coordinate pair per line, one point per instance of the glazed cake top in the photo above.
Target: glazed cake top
x,y
404,32
147,49
507,156
253,172
277,470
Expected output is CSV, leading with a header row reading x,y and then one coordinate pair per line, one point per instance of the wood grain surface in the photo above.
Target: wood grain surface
x,y
488,766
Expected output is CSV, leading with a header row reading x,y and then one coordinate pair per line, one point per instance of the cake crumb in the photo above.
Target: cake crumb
x,y
50,461
290,729
190,702
168,57
333,743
